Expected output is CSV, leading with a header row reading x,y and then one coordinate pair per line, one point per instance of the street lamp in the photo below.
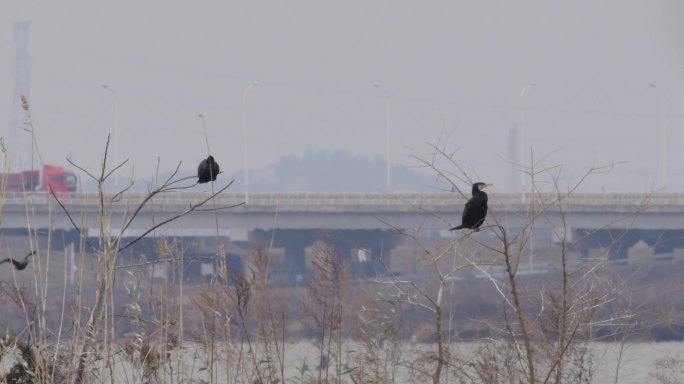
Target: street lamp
x,y
522,134
244,137
665,97
387,135
523,92
116,132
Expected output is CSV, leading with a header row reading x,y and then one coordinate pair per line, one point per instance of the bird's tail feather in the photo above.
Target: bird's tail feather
x,y
455,228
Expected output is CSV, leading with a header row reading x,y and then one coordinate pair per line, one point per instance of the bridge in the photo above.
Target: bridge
x,y
343,210
370,219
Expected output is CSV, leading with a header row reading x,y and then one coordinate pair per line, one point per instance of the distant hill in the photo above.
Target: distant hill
x,y
319,171
338,171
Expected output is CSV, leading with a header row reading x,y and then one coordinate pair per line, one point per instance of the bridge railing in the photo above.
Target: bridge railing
x,y
358,199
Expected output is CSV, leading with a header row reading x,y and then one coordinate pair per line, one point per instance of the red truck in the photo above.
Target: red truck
x,y
60,179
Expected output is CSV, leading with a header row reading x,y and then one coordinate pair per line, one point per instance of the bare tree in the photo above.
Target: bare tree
x,y
110,245
546,328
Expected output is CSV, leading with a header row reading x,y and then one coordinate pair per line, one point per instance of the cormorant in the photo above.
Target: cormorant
x,y
207,170
19,265
475,209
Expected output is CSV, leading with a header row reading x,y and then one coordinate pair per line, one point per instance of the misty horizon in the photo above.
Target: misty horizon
x,y
457,69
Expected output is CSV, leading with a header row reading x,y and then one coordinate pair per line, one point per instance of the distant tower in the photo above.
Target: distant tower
x,y
514,159
18,141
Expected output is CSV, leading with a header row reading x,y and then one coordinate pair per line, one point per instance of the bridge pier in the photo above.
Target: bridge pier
x,y
293,269
366,251
616,241
664,241
619,241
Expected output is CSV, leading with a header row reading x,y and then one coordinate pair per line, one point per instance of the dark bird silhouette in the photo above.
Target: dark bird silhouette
x,y
207,170
475,209
19,265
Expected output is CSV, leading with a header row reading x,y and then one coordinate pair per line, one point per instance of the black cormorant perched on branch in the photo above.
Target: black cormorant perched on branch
x,y
19,265
475,209
207,170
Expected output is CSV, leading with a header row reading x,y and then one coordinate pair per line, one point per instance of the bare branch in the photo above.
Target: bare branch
x,y
73,223
114,169
175,217
165,260
82,169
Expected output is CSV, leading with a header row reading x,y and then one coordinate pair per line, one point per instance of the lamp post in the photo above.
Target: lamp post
x,y
387,136
665,100
523,92
244,138
116,132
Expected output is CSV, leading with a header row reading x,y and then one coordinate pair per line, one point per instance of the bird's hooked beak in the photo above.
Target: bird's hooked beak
x,y
483,186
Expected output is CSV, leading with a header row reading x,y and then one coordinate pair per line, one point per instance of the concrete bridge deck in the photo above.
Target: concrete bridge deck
x,y
345,210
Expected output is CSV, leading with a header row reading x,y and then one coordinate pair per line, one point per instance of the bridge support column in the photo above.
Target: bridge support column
x,y
664,241
562,234
616,241
295,260
292,269
368,251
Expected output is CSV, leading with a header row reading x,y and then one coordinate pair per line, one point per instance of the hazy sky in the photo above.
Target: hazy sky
x,y
447,67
